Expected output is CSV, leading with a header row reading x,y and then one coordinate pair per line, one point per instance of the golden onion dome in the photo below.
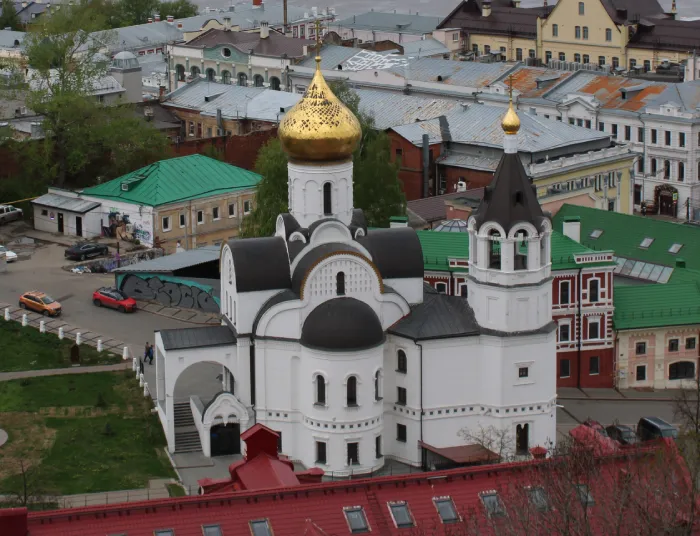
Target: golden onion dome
x,y
511,121
319,127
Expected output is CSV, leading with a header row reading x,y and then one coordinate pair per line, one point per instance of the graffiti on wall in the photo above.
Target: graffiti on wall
x,y
111,262
140,233
171,292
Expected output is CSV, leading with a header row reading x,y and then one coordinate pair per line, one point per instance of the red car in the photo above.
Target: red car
x,y
111,297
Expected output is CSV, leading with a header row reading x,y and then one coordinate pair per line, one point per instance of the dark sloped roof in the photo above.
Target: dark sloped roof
x,y
396,253
438,317
260,264
274,45
290,224
312,257
182,339
667,34
342,324
510,198
622,11
431,209
280,297
518,22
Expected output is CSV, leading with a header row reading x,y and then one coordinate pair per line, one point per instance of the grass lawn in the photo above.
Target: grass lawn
x,y
24,348
76,441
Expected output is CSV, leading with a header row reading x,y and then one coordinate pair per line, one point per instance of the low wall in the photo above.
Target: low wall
x,y
197,409
107,264
169,291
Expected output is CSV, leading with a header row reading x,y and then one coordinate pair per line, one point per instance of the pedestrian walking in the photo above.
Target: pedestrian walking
x,y
151,351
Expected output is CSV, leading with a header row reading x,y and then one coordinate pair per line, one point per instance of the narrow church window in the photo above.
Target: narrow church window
x,y
340,284
402,365
495,251
352,391
522,439
521,250
327,199
377,391
320,390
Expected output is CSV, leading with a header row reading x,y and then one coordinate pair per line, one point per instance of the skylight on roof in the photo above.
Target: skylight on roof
x,y
212,530
401,514
164,532
356,519
538,498
675,248
494,506
596,233
446,509
646,243
260,527
584,494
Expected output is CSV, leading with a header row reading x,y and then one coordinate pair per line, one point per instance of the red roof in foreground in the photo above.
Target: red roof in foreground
x,y
315,509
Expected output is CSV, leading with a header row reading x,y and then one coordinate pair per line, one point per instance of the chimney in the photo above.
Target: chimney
x,y
426,164
486,8
170,19
572,228
14,521
24,3
179,25
461,186
285,20
227,24
150,20
264,29
538,453
314,10
157,17
398,221
516,3
257,2
161,93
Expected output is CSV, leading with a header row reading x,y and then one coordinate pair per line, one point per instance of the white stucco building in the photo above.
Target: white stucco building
x,y
330,336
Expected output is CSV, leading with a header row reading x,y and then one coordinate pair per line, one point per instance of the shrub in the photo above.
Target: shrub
x,y
101,403
108,431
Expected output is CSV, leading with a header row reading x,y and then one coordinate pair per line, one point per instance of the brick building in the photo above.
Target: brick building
x,y
582,299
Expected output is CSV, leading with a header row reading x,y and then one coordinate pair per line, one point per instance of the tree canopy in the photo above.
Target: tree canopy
x,y
9,17
83,139
119,13
376,185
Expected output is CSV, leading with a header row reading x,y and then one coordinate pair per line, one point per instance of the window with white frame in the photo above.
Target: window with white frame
x,y
182,220
594,290
401,514
215,213
441,288
564,292
565,331
232,210
200,217
166,224
641,373
593,328
247,207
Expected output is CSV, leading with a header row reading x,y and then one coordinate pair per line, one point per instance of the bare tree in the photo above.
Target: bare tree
x,y
26,488
498,440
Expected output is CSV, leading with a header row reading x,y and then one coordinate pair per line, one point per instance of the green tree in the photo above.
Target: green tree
x,y
9,17
83,138
179,9
271,197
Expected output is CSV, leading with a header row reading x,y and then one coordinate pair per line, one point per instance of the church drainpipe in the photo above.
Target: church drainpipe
x,y
423,461
580,326
252,378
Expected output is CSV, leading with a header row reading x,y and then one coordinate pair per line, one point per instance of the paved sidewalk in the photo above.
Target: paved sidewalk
x,y
157,489
191,316
612,395
18,375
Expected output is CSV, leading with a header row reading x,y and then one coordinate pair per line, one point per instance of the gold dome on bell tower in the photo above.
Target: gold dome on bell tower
x,y
319,127
511,121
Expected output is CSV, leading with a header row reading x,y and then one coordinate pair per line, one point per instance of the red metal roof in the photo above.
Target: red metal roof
x,y
463,454
289,510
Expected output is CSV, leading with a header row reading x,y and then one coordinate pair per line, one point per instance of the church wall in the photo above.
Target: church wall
x,y
306,191
247,306
410,288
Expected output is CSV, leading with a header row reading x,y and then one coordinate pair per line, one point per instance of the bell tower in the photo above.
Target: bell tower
x,y
510,247
320,135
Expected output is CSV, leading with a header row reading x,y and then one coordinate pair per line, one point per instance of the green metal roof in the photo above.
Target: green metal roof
x,y
439,247
175,180
624,235
651,306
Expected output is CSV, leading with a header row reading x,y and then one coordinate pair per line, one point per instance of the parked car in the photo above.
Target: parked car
x,y
85,250
596,426
10,256
40,302
9,213
111,297
654,428
622,434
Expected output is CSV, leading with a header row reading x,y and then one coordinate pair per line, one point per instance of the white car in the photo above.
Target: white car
x,y
10,256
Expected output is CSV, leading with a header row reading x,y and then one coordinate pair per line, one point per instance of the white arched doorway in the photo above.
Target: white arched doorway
x,y
222,422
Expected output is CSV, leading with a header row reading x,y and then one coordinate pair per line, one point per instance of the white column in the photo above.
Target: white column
x,y
243,372
507,255
533,254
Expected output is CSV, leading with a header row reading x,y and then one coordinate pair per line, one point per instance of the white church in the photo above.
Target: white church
x,y
330,337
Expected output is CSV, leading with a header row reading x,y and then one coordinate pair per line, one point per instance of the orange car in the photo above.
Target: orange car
x,y
40,302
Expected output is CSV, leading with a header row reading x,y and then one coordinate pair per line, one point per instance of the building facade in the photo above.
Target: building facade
x,y
325,334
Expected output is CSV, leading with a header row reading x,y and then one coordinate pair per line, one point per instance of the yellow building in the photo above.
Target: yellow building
x,y
629,34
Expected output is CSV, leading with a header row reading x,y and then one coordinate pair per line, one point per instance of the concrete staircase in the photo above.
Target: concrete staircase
x,y
186,434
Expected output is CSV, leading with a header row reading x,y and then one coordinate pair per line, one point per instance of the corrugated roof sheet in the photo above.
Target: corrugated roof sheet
x,y
457,73
687,95
424,47
482,163
650,306
432,209
393,109
275,45
176,261
156,34
71,204
390,22
175,180
481,125
623,234
199,337
246,16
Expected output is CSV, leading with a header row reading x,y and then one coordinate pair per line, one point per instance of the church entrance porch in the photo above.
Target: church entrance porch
x,y
225,439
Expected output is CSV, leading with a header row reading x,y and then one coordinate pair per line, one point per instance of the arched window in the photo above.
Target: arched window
x,y
521,250
327,205
377,385
275,83
340,284
258,80
211,75
667,169
225,77
242,79
352,391
180,70
320,390
683,370
522,439
608,34
402,362
494,250
194,71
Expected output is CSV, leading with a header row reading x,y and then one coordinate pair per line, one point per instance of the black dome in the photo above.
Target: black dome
x,y
342,324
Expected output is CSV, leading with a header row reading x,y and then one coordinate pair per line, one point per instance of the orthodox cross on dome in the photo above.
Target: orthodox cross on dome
x,y
510,88
318,38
